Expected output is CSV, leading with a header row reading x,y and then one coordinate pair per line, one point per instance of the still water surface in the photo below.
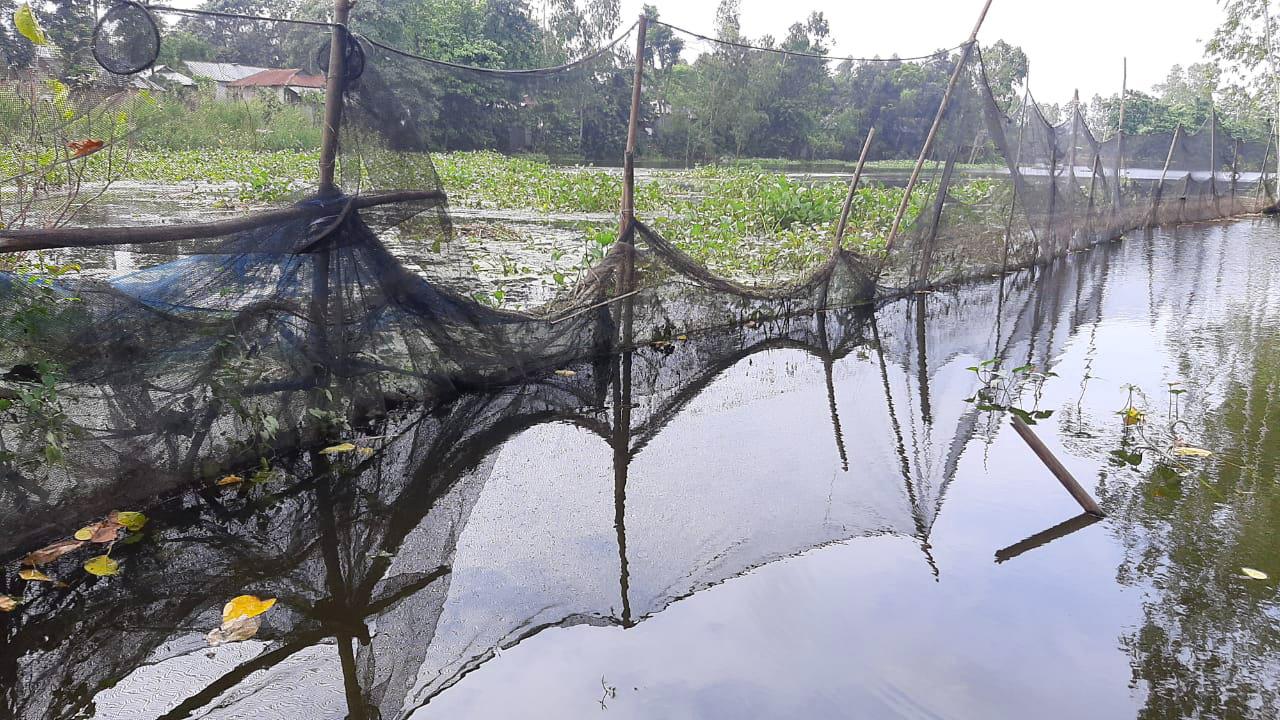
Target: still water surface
x,y
800,519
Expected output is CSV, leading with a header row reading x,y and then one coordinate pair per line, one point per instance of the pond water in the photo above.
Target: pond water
x,y
795,518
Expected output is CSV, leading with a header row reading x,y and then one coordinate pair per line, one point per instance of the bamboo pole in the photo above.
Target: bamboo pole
x,y
933,131
1159,191
1124,90
1071,169
627,215
1013,200
853,188
334,87
1262,176
1056,467
1213,159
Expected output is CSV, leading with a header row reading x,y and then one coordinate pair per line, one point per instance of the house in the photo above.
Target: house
x,y
286,85
221,74
171,79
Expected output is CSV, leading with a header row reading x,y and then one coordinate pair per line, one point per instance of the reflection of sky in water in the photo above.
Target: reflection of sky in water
x,y
863,628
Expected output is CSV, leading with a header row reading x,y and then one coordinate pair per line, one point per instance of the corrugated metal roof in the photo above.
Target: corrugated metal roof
x,y
280,78
221,72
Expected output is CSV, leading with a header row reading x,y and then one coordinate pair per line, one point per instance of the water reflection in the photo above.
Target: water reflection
x,y
663,491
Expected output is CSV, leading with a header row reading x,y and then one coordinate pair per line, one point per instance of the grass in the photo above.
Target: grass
x,y
741,220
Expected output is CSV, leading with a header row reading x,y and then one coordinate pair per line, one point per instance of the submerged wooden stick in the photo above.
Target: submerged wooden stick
x,y
1056,467
853,188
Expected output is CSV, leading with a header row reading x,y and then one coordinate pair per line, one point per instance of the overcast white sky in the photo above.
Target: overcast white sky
x,y
1071,44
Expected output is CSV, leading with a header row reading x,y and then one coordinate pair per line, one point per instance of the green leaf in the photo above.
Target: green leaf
x,y
132,521
102,566
24,19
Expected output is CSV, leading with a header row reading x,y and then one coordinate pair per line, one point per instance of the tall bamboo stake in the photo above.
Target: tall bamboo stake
x,y
1213,150
626,274
334,87
933,131
853,188
1071,169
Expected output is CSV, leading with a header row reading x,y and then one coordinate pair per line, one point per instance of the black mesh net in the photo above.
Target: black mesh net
x,y
200,304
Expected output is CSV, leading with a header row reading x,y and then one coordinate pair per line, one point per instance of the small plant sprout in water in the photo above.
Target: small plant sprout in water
x,y
1010,390
1141,437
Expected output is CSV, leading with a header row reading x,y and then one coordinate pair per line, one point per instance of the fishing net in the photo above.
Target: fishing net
x,y
193,303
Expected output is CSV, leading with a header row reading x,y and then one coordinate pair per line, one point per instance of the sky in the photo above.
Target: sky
x,y
1078,44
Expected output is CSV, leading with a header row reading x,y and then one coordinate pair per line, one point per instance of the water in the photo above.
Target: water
x,y
799,518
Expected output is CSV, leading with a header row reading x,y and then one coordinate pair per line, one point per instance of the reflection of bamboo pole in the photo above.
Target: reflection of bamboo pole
x,y
1059,470
853,188
333,95
933,131
1044,537
1155,196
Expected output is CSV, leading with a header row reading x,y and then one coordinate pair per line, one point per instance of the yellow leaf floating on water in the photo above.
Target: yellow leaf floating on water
x,y
24,19
1133,416
33,575
84,533
245,606
566,373
1192,452
102,566
1255,574
365,451
8,604
230,480
234,631
345,447
132,521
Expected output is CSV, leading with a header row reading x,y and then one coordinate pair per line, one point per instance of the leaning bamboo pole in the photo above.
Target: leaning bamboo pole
x,y
853,188
933,130
1159,189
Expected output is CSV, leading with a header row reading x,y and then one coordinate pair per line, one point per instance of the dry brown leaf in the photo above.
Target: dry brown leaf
x,y
8,604
52,552
230,480
100,532
235,631
566,373
33,575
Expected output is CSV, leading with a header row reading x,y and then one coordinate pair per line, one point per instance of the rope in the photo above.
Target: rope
x,y
528,72
796,53
239,16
